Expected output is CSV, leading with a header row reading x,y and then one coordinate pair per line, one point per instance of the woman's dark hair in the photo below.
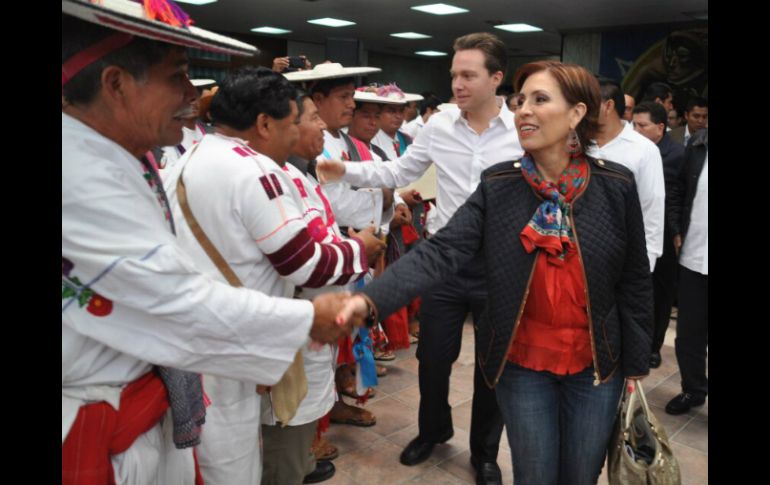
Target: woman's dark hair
x,y
577,85
248,92
136,57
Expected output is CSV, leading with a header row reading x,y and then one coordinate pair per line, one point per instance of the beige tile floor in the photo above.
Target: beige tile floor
x,y
370,455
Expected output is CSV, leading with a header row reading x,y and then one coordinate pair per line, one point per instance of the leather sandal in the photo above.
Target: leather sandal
x,y
343,413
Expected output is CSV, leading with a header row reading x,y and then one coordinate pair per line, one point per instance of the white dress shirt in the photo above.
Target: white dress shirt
x,y
642,157
687,135
460,155
695,250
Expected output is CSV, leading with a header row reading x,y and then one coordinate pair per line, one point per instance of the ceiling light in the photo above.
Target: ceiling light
x,y
270,30
431,53
519,28
439,9
410,35
330,22
196,2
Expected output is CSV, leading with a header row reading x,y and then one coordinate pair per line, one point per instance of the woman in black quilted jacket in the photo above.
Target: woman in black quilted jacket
x,y
568,317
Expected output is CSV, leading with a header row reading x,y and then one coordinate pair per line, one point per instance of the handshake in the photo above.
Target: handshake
x,y
336,315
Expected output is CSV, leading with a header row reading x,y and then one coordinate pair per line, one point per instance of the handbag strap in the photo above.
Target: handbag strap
x,y
197,231
637,394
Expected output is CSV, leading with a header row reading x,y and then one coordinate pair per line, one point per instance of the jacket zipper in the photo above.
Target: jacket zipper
x,y
597,379
516,322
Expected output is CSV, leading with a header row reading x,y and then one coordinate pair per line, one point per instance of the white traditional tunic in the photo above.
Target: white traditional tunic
x,y
255,214
132,298
172,153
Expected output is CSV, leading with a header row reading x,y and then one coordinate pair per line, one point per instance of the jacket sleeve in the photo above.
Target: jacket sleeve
x,y
675,194
433,260
634,294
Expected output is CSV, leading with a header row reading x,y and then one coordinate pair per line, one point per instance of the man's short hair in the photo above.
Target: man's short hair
x,y
248,92
495,52
610,89
430,101
300,99
136,57
656,111
360,104
325,86
696,101
657,90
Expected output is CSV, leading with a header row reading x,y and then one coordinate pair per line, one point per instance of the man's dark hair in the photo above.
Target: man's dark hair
x,y
359,105
300,99
248,92
610,89
657,90
656,111
136,57
696,101
431,101
495,52
325,86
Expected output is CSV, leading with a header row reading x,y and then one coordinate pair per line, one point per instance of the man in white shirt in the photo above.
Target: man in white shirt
x,y
689,213
390,137
628,113
131,298
275,243
462,143
618,142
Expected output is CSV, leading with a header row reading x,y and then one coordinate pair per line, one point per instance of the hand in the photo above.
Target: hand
x,y
373,245
355,311
280,64
387,199
631,383
401,217
325,328
329,170
411,197
308,64
677,243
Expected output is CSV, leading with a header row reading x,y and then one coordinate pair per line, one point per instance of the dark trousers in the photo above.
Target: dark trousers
x,y
442,315
692,331
664,283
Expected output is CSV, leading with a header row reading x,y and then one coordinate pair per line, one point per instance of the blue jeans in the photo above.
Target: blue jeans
x,y
558,426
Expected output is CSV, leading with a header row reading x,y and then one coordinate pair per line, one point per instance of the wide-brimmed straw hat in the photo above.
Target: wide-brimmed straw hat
x,y
158,20
329,70
387,94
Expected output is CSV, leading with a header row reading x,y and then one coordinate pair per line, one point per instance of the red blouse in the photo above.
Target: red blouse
x,y
553,332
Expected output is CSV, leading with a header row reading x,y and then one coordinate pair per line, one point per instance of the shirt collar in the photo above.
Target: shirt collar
x,y
505,115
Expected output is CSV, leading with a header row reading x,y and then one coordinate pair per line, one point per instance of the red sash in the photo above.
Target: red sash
x,y
99,431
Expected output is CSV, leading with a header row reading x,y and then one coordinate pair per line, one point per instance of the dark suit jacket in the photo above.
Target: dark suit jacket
x,y
610,234
686,184
677,134
672,154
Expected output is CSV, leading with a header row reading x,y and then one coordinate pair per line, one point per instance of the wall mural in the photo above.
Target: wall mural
x,y
679,58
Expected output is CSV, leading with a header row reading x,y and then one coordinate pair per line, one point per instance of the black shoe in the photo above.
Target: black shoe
x,y
655,360
487,472
683,402
324,470
418,450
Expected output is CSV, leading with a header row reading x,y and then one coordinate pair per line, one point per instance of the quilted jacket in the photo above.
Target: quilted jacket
x,y
610,236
